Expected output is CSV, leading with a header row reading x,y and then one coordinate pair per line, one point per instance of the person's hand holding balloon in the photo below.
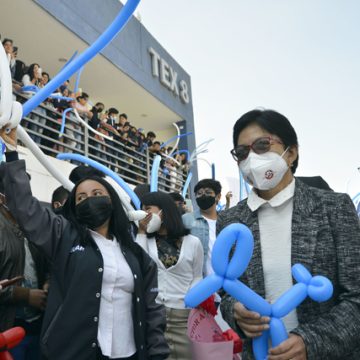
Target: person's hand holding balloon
x,y
144,223
293,348
250,322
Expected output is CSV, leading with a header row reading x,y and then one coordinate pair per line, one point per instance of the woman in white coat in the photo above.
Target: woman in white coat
x,y
179,257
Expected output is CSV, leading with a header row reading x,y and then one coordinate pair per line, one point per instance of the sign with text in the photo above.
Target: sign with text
x,y
168,77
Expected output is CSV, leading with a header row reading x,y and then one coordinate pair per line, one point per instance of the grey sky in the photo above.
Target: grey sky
x,y
299,57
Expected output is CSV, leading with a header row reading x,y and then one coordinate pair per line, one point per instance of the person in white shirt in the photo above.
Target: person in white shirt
x,y
179,257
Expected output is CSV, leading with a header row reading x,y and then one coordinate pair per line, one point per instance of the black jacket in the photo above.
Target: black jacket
x,y
12,263
71,319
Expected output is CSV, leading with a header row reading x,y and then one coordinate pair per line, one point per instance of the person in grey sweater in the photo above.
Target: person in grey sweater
x,y
293,223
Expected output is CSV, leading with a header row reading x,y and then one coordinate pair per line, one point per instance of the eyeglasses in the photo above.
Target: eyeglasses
x,y
259,146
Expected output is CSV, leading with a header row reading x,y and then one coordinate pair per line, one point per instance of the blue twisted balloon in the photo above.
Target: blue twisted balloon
x,y
62,129
2,150
73,56
174,138
213,171
356,197
105,170
220,207
35,89
244,187
226,274
73,66
187,152
155,174
186,185
78,80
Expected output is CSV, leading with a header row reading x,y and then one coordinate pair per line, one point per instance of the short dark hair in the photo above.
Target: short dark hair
x,y
271,121
171,217
123,115
7,40
113,111
156,143
151,134
45,73
60,194
208,183
83,171
99,104
85,95
177,197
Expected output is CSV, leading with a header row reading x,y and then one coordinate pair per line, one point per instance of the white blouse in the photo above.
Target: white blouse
x,y
175,281
275,216
116,328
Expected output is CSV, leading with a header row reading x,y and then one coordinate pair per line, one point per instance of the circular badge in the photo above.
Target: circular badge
x,y
269,174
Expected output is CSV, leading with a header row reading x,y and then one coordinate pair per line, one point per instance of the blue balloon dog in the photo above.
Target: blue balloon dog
x,y
226,274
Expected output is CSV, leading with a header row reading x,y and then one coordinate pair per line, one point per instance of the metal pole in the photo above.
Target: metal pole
x,y
148,173
86,141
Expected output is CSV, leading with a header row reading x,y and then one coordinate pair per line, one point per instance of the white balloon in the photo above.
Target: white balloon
x,y
137,215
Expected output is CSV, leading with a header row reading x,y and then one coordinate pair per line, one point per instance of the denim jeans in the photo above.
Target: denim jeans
x,y
28,349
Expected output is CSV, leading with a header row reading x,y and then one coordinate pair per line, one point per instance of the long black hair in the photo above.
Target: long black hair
x,y
119,225
30,71
170,214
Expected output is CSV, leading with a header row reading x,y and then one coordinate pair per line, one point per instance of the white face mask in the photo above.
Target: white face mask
x,y
264,171
154,224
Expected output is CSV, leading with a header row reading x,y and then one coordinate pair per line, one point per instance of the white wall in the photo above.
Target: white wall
x,y
42,183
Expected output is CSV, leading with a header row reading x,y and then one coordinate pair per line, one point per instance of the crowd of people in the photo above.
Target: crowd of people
x,y
122,142
97,286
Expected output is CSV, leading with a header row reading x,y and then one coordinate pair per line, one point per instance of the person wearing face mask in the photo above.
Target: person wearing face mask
x,y
202,223
101,304
293,223
179,258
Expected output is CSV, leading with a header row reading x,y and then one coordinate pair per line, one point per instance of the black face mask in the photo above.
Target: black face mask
x,y
94,211
205,202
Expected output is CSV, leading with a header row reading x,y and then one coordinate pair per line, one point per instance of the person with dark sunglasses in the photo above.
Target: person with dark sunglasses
x,y
293,223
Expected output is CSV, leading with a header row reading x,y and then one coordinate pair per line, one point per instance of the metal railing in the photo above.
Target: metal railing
x,y
43,125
